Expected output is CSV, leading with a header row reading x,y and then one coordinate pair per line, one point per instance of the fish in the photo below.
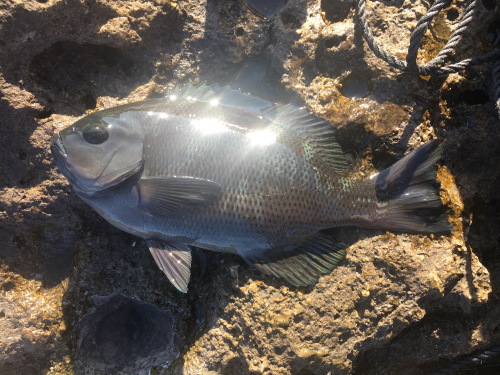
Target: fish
x,y
211,167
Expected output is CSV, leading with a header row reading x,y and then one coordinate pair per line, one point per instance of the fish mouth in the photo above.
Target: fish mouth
x,y
60,157
57,146
61,160
59,154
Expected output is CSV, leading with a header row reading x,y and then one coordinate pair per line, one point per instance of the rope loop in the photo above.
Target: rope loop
x,y
440,64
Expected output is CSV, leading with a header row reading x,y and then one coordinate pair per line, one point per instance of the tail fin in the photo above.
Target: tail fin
x,y
408,193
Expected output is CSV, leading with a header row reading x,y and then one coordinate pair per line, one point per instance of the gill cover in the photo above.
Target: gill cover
x,y
100,152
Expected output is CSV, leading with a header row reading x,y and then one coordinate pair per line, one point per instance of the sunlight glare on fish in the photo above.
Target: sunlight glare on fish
x,y
214,102
262,137
209,126
161,115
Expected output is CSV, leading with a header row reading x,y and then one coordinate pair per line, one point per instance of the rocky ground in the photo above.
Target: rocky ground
x,y
399,303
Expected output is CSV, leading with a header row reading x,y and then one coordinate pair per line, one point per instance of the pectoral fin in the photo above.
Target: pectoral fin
x,y
302,265
173,260
176,195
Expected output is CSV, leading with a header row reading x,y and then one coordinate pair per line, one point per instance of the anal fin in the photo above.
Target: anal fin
x,y
173,260
303,265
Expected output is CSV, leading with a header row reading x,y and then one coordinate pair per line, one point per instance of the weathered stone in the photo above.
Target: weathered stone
x,y
399,303
121,335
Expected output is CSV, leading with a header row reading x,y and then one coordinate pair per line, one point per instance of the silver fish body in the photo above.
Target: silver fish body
x,y
214,168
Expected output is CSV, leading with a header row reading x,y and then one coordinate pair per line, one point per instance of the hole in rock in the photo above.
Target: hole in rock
x,y
452,14
236,365
334,41
336,11
124,329
493,33
239,31
121,333
355,85
473,97
298,318
77,73
279,350
9,285
344,336
45,113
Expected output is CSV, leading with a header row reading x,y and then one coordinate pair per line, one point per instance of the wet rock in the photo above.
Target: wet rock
x,y
336,11
355,85
121,335
399,303
31,326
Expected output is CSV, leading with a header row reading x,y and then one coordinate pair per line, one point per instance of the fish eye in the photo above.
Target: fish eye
x,y
95,134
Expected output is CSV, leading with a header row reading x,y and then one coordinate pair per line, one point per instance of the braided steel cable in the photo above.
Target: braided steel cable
x,y
449,48
430,68
370,40
418,33
464,64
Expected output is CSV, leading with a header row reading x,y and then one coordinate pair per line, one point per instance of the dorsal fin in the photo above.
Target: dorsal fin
x,y
317,132
225,96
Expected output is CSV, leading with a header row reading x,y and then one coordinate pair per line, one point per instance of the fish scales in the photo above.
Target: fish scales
x,y
242,195
265,175
214,168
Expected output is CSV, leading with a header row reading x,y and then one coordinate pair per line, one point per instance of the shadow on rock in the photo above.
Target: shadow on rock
x,y
37,242
472,153
20,165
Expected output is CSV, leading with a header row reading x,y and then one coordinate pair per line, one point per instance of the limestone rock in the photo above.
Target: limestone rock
x,y
120,335
399,303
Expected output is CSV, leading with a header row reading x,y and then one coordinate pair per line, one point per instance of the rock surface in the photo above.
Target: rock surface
x,y
122,335
399,303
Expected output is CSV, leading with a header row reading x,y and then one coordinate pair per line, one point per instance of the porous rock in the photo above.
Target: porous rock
x,y
121,335
399,303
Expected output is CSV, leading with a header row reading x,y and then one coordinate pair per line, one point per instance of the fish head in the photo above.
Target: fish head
x,y
98,152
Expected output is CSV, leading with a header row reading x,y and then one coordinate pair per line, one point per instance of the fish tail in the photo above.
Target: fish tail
x,y
408,193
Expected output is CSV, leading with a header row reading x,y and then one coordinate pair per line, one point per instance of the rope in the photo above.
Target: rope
x,y
435,66
418,33
475,359
448,49
370,40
